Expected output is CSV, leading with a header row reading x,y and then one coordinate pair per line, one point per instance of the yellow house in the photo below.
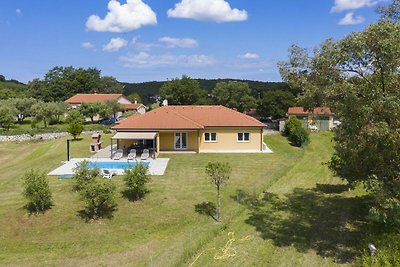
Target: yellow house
x,y
199,129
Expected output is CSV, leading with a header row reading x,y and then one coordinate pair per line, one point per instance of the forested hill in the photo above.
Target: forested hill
x,y
11,88
153,88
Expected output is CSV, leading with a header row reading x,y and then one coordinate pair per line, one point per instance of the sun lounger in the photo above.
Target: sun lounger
x,y
107,174
132,154
119,154
145,155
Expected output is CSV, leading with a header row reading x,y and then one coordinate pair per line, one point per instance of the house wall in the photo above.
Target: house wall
x,y
141,110
167,140
123,100
227,140
324,123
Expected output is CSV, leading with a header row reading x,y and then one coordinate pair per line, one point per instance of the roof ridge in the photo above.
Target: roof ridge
x,y
244,115
186,118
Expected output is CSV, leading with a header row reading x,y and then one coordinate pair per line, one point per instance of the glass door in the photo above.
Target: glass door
x,y
180,141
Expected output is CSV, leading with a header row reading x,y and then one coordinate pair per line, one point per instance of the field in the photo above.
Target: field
x,y
280,209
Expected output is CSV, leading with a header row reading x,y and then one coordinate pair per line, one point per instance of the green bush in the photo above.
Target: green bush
x,y
136,179
295,132
37,191
388,251
83,175
99,198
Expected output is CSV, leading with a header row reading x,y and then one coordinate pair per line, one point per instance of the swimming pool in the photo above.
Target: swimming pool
x,y
114,164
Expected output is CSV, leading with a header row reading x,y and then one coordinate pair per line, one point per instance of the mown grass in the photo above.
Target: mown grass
x,y
284,209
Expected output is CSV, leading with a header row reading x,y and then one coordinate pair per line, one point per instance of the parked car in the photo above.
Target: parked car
x,y
108,121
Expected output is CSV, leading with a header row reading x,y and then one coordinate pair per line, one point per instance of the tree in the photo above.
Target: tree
x,y
135,97
42,111
7,114
184,91
234,95
114,106
219,174
23,106
61,83
359,78
275,104
37,191
104,110
83,175
75,123
136,179
99,198
391,11
90,110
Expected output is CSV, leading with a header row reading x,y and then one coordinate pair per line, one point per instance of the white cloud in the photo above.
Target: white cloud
x,y
179,42
349,19
87,45
18,11
343,5
142,46
249,56
208,10
144,59
115,44
123,18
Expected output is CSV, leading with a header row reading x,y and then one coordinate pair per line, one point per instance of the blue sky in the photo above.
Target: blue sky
x,y
145,40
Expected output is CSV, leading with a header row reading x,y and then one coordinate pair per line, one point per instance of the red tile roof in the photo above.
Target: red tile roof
x,y
91,98
188,117
316,111
132,106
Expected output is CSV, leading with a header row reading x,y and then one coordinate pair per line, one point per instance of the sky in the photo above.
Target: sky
x,y
149,40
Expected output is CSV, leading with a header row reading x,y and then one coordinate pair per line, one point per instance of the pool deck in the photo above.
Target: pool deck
x,y
156,167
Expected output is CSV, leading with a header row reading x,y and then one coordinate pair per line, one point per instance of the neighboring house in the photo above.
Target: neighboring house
x,y
76,100
320,117
199,129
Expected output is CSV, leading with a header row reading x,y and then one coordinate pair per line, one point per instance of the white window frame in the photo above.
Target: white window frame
x,y
243,139
210,140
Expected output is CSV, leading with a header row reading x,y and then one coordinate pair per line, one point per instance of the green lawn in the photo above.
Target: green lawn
x,y
280,209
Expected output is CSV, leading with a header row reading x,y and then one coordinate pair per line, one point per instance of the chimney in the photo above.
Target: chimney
x,y
135,101
165,102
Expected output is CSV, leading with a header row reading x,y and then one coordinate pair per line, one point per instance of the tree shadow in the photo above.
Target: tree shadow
x,y
33,210
319,219
106,212
133,196
206,208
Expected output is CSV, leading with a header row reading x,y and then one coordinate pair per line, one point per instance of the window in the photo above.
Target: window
x,y
210,137
243,137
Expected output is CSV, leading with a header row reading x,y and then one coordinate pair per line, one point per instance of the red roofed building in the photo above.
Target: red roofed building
x,y
199,129
320,117
76,100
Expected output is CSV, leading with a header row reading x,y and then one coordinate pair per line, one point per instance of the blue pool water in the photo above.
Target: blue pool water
x,y
114,164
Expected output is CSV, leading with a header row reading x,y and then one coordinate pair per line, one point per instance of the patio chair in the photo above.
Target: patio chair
x,y
107,174
132,154
145,155
119,154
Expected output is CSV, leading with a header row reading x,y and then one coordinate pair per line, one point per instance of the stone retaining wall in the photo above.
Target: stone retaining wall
x,y
37,137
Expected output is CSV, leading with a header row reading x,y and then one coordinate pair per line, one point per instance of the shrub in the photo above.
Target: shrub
x,y
295,132
84,175
136,179
75,128
291,124
299,136
37,191
99,198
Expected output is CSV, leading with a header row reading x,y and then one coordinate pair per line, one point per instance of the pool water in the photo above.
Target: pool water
x,y
114,165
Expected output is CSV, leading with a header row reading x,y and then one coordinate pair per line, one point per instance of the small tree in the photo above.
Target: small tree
x,y
219,173
114,106
99,198
295,132
136,179
90,110
84,175
7,115
75,123
37,191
